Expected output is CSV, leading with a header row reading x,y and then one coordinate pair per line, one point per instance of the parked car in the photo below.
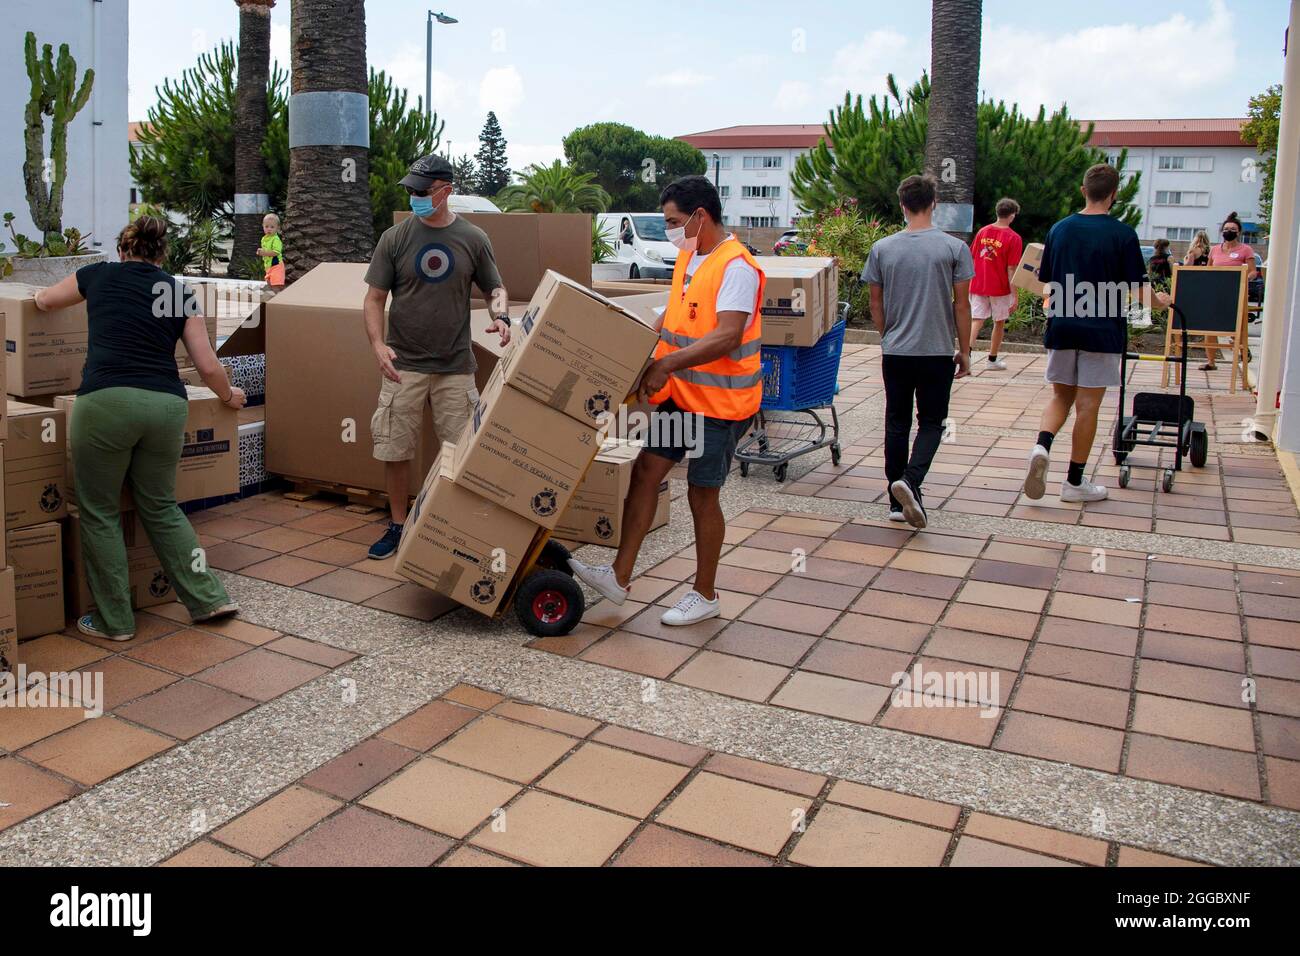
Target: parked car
x,y
789,240
641,246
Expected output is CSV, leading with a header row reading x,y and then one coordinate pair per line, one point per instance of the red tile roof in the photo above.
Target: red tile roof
x,y
1167,132
787,136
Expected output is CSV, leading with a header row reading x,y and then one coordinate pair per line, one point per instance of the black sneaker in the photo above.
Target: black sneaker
x,y
386,545
910,500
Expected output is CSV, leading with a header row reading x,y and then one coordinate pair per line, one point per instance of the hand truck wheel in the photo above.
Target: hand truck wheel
x,y
1200,450
555,557
1167,484
1125,473
549,603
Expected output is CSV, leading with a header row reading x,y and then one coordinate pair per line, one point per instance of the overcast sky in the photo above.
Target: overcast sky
x,y
669,67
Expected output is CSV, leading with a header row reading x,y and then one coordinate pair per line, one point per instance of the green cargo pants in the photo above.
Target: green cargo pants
x,y
135,436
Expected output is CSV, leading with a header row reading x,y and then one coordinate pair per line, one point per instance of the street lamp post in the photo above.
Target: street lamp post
x,y
428,56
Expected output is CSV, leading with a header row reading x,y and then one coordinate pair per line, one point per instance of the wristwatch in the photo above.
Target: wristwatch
x,y
503,317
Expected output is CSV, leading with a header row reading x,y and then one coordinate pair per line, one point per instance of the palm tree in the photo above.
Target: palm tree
x,y
328,205
553,188
251,117
950,142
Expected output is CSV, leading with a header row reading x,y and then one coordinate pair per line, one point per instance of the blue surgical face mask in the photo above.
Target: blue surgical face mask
x,y
422,206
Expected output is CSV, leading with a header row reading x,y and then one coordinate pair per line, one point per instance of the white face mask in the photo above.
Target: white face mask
x,y
678,237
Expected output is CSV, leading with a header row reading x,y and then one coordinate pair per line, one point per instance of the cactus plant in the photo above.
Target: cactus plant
x,y
54,94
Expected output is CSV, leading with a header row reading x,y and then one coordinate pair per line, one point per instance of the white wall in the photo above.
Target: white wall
x,y
734,206
1228,190
99,179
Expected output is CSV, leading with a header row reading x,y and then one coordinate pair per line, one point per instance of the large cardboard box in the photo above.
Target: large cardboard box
x,y
797,307
527,244
595,513
8,623
523,455
577,351
3,562
619,287
44,351
322,382
461,545
149,584
209,465
1026,274
36,555
35,465
183,357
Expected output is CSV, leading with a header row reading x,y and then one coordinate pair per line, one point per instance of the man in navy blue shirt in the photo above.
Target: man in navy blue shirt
x,y
1092,266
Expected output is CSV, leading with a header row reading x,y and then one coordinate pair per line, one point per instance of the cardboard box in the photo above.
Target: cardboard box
x,y
461,545
209,465
35,466
183,358
797,305
1026,274
523,455
36,555
322,382
620,287
527,244
576,351
595,513
44,351
149,584
3,562
8,623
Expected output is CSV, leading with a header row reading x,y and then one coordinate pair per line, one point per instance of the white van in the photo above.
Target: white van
x,y
458,202
641,247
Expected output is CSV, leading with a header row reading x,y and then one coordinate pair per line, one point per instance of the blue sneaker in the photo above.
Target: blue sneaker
x,y
386,545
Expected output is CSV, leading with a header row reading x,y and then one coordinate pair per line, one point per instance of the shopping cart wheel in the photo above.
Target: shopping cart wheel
x,y
1200,445
549,603
744,469
835,454
780,471
555,557
1125,473
1167,484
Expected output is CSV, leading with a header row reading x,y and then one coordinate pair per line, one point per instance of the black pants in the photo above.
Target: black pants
x,y
925,380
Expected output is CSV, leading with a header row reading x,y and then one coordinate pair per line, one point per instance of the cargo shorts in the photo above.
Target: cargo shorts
x,y
395,426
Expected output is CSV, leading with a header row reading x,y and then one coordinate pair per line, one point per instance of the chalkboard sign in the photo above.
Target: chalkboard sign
x,y
1211,298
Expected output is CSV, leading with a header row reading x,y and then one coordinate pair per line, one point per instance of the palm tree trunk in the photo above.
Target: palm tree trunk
x,y
250,129
328,216
950,144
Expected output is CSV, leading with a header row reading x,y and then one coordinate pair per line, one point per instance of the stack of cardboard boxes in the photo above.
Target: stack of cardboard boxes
x,y
43,581
512,475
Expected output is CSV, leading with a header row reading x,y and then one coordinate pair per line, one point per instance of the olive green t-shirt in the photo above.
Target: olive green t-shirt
x,y
428,271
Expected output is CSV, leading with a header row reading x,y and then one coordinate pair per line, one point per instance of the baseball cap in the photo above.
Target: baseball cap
x,y
425,170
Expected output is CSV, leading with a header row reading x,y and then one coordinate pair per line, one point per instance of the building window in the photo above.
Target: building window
x,y
759,222
762,162
724,192
1175,197
760,192
722,162
1182,233
1186,164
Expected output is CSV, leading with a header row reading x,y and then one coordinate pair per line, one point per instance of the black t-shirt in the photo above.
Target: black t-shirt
x,y
136,314
1086,260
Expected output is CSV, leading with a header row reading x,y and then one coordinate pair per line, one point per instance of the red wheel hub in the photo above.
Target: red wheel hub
x,y
550,606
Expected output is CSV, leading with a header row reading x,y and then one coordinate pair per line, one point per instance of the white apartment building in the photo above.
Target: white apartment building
x,y
98,183
1194,172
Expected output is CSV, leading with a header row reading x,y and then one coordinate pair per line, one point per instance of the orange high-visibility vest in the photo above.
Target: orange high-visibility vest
x,y
730,387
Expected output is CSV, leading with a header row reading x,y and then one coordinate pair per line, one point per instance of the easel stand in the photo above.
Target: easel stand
x,y
1213,301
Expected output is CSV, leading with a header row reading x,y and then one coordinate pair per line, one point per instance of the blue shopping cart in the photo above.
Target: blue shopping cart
x,y
798,415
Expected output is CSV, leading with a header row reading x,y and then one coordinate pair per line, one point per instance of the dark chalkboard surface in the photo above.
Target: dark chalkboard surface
x,y
1212,298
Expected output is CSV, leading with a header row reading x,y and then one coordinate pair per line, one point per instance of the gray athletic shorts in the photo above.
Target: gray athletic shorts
x,y
1083,369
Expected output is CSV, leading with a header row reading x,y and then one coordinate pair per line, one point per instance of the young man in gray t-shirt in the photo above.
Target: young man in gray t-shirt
x,y
920,305
427,263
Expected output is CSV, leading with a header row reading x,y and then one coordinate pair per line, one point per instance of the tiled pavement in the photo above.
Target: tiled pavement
x,y
1172,673
476,779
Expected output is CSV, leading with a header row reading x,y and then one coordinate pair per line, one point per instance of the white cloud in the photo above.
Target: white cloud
x,y
792,96
407,69
281,53
523,154
861,66
501,90
1115,71
680,79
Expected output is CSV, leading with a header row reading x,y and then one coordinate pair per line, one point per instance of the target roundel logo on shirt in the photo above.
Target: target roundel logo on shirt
x,y
435,262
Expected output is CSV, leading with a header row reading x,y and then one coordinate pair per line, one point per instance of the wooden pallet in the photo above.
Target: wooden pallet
x,y
361,501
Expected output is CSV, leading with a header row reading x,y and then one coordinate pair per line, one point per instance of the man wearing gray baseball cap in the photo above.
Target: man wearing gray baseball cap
x,y
427,263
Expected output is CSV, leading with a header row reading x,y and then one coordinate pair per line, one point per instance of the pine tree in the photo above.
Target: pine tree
x,y
493,173
465,173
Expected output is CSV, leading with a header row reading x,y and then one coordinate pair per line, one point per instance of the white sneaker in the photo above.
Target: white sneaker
x,y
897,516
601,579
1087,491
691,609
1036,479
998,363
913,510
